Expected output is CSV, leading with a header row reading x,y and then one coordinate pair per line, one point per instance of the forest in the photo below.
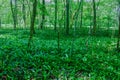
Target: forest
x,y
59,39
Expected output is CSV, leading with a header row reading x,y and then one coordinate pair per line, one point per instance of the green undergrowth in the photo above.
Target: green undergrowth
x,y
79,58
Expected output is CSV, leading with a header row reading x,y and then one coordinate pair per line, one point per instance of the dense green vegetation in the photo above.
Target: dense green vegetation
x,y
60,40
92,58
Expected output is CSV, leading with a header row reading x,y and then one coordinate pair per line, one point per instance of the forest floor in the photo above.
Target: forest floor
x,y
79,57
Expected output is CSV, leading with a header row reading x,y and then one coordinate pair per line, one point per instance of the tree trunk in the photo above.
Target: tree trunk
x,y
94,17
81,16
32,30
14,12
43,14
118,42
24,13
55,15
64,13
67,17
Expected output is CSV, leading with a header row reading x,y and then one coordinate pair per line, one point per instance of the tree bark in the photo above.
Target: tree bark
x,y
32,30
118,41
67,17
55,15
14,12
81,16
24,13
94,17
43,14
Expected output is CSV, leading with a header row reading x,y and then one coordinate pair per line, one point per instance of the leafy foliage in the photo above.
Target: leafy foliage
x,y
92,57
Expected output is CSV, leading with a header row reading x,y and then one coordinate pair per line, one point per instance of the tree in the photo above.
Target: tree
x,y
75,18
67,16
32,30
118,42
94,17
81,20
14,11
24,12
55,15
43,14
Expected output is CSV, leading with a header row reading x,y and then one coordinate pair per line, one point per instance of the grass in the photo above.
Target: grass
x,y
91,58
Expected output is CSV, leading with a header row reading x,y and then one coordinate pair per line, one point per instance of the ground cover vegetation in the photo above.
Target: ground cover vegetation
x,y
60,40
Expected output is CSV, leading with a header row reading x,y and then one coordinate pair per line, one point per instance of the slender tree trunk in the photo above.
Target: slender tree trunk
x,y
67,16
64,12
32,30
75,18
94,17
24,13
55,15
118,42
14,12
43,14
81,16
